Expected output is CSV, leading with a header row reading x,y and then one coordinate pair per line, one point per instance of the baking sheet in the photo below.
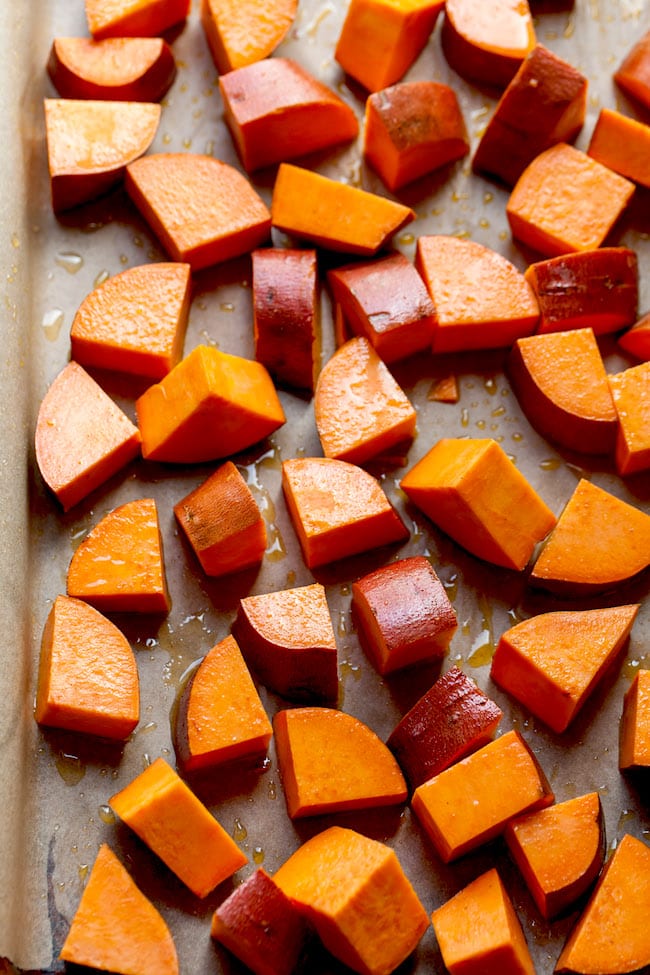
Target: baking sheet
x,y
55,787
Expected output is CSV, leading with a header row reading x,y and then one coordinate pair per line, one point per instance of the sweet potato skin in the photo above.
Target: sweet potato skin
x,y
118,68
487,45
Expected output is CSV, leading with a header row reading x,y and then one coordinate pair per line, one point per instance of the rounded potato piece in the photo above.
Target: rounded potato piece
x,y
131,69
134,18
487,43
241,32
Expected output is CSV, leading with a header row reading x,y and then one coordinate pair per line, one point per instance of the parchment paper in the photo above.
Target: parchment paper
x,y
55,787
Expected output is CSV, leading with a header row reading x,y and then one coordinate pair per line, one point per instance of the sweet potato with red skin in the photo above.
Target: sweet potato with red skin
x,y
633,74
201,210
403,614
631,395
481,300
241,32
130,69
134,18
288,639
411,129
115,927
88,677
596,289
331,762
636,340
634,731
276,111
622,144
495,944
380,39
467,805
487,44
220,717
82,437
599,542
543,104
611,935
286,314
566,201
90,143
386,301
453,718
474,493
560,851
262,927
560,381
552,662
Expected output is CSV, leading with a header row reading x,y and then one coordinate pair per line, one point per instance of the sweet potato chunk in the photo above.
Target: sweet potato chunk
x,y
478,931
119,69
82,436
331,762
451,720
467,805
134,18
134,322
116,928
622,144
90,143
348,885
599,542
337,509
288,639
559,850
631,395
473,491
241,32
202,210
212,404
119,566
634,740
481,300
487,44
177,827
220,717
636,340
552,662
88,678
633,74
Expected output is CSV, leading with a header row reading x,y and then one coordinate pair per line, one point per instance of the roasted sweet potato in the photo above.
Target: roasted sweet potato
x,y
636,340
631,395
129,69
633,74
487,44
134,18
241,32
623,144
634,738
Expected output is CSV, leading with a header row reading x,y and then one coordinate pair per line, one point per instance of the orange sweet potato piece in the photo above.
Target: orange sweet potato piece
x,y
88,678
634,739
622,144
220,717
544,103
332,762
361,411
451,720
223,523
633,74
135,321
130,69
134,18
82,436
337,509
90,143
467,805
473,491
240,32
334,215
413,128
445,389
262,927
551,663
560,381
286,314
380,39
403,613
116,928
631,394
599,542
636,340
597,289
211,405
481,300
202,210
276,110
611,936
478,931
348,885
178,828
559,850
119,566
386,301
487,44
288,639
566,201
